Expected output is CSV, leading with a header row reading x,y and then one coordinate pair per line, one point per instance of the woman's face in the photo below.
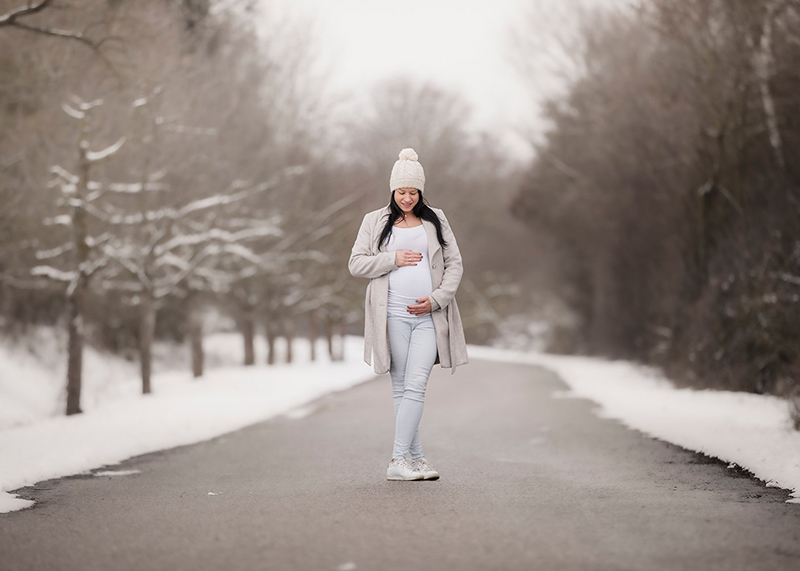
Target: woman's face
x,y
406,198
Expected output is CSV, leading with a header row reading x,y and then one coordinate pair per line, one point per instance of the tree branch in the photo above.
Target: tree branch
x,y
10,18
13,19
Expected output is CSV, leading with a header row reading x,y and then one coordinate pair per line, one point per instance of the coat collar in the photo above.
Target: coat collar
x,y
430,231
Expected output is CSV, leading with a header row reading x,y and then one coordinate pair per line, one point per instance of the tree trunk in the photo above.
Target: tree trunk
x,y
288,332
147,329
77,291
248,334
196,337
271,331
329,338
340,333
75,353
764,63
312,334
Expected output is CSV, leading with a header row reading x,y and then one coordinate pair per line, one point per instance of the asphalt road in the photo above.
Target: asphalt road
x,y
528,481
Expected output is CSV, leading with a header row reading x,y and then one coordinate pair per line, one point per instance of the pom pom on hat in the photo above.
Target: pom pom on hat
x,y
407,172
408,154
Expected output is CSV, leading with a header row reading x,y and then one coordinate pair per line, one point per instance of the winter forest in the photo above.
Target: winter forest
x,y
164,161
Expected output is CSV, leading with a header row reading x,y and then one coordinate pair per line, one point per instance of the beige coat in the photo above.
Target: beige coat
x,y
369,261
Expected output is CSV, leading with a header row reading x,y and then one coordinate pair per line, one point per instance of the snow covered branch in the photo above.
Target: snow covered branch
x,y
54,253
98,189
72,112
53,273
60,220
125,261
243,253
115,285
220,199
217,234
196,205
64,174
186,130
95,157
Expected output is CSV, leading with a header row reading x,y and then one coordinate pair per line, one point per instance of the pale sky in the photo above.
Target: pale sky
x,y
459,44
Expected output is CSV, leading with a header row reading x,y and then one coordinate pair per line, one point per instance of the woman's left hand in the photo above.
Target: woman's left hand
x,y
422,308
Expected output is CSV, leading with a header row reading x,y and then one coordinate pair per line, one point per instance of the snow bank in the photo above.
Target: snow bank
x,y
119,422
753,431
33,370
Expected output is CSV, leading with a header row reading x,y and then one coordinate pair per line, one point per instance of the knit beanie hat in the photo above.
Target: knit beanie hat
x,y
407,172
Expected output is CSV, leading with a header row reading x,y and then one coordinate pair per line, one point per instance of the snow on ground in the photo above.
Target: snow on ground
x,y
37,443
39,358
753,431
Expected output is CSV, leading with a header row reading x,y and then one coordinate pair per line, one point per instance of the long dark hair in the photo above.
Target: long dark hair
x,y
421,210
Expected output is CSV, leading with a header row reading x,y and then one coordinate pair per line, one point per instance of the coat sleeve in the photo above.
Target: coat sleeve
x,y
453,269
363,263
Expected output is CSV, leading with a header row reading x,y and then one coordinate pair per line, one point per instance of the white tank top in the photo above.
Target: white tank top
x,y
407,283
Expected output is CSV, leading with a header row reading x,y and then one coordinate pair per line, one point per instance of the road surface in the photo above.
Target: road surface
x,y
530,480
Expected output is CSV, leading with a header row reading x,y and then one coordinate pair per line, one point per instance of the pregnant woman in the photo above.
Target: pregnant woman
x,y
410,255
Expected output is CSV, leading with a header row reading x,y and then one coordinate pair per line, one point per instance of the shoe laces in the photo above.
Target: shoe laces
x,y
422,464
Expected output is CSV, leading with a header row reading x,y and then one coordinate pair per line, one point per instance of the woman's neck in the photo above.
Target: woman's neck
x,y
409,218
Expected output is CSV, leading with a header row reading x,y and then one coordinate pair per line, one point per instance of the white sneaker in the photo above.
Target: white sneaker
x,y
399,469
428,471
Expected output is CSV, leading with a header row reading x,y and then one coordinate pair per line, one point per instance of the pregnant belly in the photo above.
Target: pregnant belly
x,y
406,285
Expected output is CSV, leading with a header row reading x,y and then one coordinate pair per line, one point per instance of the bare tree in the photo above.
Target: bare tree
x,y
78,198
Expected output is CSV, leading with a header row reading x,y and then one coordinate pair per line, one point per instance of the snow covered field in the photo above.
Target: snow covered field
x,y
37,443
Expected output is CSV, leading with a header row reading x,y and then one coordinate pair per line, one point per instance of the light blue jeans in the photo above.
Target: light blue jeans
x,y
412,343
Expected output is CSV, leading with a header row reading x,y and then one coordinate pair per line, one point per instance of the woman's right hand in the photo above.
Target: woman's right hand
x,y
407,258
